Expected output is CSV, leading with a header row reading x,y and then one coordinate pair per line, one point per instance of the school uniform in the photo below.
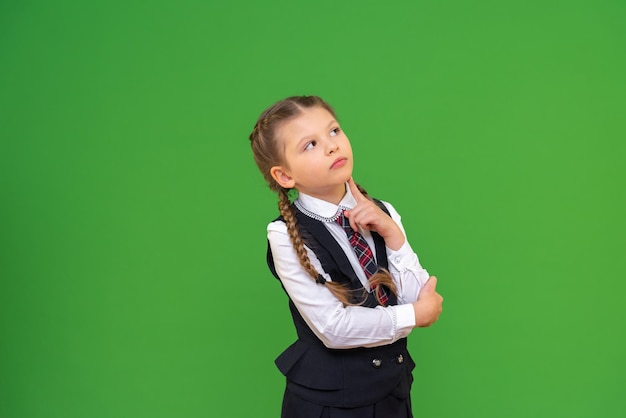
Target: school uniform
x,y
347,361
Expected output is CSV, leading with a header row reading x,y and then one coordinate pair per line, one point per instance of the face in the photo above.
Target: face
x,y
317,156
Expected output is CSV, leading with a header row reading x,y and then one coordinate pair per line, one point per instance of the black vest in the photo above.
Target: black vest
x,y
341,377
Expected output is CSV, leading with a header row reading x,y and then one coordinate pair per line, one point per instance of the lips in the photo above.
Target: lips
x,y
339,162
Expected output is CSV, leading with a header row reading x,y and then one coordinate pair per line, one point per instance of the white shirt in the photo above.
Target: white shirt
x,y
341,326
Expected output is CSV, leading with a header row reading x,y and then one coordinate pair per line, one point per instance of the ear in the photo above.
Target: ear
x,y
282,177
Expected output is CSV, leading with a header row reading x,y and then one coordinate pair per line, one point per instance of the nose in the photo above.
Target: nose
x,y
331,147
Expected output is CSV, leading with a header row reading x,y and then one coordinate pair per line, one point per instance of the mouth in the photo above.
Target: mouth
x,y
339,162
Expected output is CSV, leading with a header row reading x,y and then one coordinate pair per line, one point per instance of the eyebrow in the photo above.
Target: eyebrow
x,y
307,137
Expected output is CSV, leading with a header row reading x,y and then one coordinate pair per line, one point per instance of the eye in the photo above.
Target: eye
x,y
335,132
310,145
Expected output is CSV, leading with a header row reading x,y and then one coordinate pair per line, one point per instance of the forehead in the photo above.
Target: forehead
x,y
310,122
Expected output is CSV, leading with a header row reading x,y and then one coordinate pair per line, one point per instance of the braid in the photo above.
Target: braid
x,y
382,278
286,210
340,291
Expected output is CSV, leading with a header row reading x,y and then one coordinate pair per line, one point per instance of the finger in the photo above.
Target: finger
x,y
355,190
351,220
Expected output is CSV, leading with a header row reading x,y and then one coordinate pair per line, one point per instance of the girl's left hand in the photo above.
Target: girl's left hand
x,y
368,216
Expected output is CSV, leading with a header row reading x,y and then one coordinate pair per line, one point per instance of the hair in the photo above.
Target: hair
x,y
267,154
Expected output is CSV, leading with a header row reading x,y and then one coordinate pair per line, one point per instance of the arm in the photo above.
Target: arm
x,y
412,280
336,326
404,265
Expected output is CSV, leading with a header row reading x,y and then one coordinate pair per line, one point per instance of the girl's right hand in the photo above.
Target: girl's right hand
x,y
368,216
428,305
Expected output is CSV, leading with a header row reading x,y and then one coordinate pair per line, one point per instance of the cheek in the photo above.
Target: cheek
x,y
347,146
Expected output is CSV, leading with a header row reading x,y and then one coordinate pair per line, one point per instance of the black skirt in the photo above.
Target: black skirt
x,y
395,405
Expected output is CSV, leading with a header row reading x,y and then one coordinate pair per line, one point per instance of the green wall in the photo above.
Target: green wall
x,y
132,244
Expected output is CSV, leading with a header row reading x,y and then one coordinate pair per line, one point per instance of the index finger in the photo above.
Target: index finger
x,y
355,190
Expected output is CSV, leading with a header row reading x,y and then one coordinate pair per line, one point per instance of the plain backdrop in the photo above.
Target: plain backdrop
x,y
133,280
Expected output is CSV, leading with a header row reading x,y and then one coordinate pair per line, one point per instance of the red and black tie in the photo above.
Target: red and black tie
x,y
363,253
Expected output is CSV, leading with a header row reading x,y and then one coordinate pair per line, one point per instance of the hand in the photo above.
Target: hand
x,y
368,216
428,305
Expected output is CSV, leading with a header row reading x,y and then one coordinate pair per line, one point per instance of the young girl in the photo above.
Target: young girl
x,y
356,289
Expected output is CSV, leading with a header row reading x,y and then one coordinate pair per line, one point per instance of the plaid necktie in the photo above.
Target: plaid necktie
x,y
363,253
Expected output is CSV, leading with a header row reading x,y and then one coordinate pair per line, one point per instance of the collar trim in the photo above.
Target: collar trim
x,y
319,217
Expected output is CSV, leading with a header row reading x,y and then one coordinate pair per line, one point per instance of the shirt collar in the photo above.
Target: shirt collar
x,y
323,208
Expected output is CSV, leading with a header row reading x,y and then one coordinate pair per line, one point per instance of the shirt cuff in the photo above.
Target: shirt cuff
x,y
403,258
405,319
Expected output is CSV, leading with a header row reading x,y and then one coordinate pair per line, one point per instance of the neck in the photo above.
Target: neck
x,y
331,195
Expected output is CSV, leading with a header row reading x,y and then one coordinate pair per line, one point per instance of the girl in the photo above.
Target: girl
x,y
356,289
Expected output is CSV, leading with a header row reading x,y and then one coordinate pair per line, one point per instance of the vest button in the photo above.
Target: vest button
x,y
400,359
377,362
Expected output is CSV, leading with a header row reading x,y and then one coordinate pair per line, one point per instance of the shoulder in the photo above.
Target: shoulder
x,y
388,208
277,225
383,205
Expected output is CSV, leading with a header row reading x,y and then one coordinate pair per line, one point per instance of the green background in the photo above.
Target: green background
x,y
132,243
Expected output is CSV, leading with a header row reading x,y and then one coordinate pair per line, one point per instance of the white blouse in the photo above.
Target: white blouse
x,y
341,326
